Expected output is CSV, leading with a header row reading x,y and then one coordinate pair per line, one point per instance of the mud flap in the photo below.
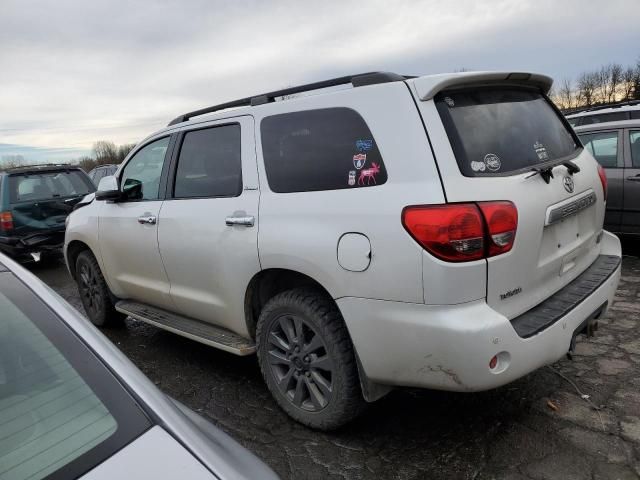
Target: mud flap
x,y
587,328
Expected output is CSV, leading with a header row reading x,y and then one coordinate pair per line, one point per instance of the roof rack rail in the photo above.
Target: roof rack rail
x,y
359,80
40,165
594,108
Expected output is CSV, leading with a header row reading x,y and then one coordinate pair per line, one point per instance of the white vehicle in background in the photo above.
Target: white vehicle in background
x,y
441,232
605,113
73,406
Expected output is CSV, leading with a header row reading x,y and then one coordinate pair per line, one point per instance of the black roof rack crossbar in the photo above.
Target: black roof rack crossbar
x,y
360,80
603,106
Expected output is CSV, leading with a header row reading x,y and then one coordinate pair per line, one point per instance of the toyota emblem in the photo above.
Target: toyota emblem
x,y
568,184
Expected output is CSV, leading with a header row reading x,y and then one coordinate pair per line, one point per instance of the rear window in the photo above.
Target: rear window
x,y
61,410
27,187
503,131
326,149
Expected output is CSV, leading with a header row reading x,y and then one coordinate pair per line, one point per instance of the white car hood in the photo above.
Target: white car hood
x,y
154,455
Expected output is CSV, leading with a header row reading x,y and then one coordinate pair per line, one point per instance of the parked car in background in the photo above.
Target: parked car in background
x,y
102,171
616,146
73,406
34,203
441,232
607,113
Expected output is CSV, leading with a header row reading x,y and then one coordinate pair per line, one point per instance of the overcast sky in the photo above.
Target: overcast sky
x,y
73,72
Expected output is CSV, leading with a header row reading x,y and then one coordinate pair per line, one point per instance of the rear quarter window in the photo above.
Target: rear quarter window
x,y
503,131
325,149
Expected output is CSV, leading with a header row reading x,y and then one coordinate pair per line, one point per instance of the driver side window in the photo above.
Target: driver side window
x,y
140,178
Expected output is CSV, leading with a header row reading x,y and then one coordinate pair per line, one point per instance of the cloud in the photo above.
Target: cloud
x,y
75,72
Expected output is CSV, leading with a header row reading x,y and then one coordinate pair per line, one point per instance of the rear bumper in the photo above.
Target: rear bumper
x,y
37,242
448,347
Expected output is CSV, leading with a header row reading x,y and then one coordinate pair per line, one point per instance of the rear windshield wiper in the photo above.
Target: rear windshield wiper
x,y
547,172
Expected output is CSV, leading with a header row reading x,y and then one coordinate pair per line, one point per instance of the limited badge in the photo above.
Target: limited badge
x,y
478,166
359,159
364,145
352,178
492,161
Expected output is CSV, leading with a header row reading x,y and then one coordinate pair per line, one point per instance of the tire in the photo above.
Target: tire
x,y
94,293
317,384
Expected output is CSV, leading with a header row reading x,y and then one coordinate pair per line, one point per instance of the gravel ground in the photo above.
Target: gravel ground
x,y
536,428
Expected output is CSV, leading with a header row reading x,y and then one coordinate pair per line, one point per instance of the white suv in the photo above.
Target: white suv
x,y
441,232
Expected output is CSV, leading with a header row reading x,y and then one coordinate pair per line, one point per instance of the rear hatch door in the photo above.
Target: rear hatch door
x,y
489,140
41,200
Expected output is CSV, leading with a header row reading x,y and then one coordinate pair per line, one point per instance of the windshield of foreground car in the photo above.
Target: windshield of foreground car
x,y
61,411
38,186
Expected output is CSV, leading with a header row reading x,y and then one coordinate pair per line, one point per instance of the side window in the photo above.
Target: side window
x,y
141,176
634,114
209,164
603,146
97,176
634,137
327,149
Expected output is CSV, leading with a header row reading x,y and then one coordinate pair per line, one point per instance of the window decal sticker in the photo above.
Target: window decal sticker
x,y
478,166
493,162
364,145
359,159
369,174
449,101
541,151
352,178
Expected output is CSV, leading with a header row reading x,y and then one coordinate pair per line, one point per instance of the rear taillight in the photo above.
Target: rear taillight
x,y
6,221
502,221
603,179
461,232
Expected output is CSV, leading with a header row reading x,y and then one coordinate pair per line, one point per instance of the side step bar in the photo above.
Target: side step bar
x,y
217,337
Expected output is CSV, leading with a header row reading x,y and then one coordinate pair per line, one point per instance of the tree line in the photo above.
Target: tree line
x,y
608,84
103,152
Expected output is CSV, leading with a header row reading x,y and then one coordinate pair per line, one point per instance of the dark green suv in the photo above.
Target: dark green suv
x,y
34,203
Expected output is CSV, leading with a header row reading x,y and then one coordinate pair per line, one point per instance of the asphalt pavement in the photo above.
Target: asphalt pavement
x,y
577,419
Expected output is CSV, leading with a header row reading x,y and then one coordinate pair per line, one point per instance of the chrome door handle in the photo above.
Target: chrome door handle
x,y
147,220
248,221
634,179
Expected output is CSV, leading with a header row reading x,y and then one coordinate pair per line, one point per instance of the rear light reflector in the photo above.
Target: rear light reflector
x,y
603,180
6,221
462,232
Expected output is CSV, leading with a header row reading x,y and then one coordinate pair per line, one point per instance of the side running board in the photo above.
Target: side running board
x,y
187,327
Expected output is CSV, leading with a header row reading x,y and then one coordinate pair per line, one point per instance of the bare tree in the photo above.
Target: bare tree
x,y
566,95
615,81
587,83
11,161
628,80
105,152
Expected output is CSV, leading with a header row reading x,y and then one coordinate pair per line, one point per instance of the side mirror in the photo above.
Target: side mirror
x,y
108,189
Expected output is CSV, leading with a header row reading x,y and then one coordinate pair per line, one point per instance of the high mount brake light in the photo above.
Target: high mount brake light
x,y
462,232
603,180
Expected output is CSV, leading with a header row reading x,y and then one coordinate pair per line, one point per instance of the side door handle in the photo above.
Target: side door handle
x,y
247,221
634,179
147,220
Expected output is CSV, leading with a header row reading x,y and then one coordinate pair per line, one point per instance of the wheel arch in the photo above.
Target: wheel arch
x,y
268,283
74,249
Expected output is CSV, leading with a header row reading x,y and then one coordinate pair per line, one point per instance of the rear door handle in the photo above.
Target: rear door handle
x,y
247,221
147,220
634,179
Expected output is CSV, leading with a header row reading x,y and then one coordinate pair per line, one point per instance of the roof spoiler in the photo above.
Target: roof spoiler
x,y
428,87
